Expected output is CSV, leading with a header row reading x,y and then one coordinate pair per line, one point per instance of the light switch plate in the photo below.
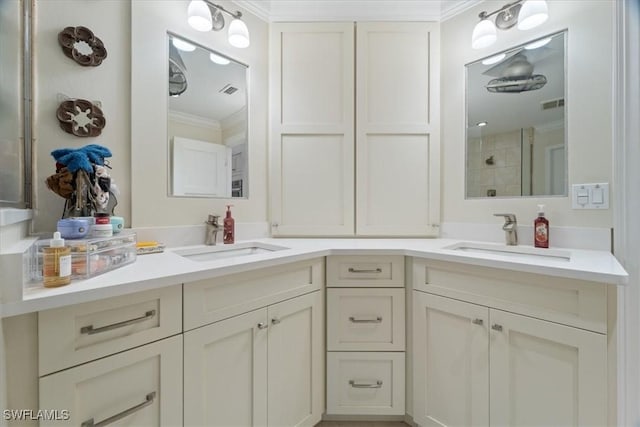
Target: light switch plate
x,y
590,196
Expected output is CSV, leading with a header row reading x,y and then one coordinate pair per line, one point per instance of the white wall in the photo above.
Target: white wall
x,y
589,102
150,205
55,74
141,178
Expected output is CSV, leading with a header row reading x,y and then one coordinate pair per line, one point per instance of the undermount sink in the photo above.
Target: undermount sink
x,y
213,253
522,252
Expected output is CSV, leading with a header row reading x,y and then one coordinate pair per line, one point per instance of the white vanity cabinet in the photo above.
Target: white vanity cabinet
x,y
377,98
115,359
490,348
365,335
256,366
141,387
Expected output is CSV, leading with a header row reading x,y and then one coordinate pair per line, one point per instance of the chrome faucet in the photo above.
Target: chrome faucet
x,y
212,230
510,228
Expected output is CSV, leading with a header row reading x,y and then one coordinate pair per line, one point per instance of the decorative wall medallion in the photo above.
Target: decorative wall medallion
x,y
81,45
80,117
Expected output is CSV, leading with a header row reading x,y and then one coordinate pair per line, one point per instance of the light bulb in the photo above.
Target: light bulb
x,y
484,34
218,59
493,59
199,16
183,45
532,14
238,34
537,44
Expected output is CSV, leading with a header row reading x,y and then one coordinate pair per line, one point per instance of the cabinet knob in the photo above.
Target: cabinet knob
x,y
275,321
262,325
496,327
477,321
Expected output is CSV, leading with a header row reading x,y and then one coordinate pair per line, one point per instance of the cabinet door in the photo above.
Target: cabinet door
x,y
398,131
140,387
546,374
312,129
225,378
450,362
296,361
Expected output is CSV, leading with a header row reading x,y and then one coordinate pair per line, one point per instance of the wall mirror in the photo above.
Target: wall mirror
x,y
12,137
516,121
207,122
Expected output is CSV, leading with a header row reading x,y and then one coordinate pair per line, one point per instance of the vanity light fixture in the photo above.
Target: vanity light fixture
x,y
482,124
527,14
206,16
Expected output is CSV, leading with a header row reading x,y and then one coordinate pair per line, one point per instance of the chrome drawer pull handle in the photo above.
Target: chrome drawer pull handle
x,y
275,321
496,327
477,321
262,325
377,384
112,419
376,320
89,330
355,270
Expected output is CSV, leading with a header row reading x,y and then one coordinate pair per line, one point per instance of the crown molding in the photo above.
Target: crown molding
x,y
259,8
193,120
453,8
355,10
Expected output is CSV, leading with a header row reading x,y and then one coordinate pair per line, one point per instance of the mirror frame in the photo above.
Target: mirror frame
x,y
565,194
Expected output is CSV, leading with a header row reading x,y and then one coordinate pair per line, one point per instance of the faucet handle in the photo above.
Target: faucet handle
x,y
508,217
213,219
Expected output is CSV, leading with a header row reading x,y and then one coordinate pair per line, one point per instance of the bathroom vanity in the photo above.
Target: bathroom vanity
x,y
419,330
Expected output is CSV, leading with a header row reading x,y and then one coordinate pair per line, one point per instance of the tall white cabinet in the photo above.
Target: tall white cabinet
x,y
355,129
397,129
312,129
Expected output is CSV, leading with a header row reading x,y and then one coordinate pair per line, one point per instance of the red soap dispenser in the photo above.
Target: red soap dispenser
x,y
541,229
229,227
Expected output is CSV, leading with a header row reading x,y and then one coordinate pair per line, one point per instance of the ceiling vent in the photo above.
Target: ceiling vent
x,y
554,103
229,90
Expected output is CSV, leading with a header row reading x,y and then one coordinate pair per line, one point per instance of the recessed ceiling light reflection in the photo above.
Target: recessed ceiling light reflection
x,y
183,45
538,43
218,59
494,59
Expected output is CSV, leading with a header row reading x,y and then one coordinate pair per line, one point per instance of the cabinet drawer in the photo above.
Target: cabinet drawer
x,y
211,300
365,320
142,387
365,383
365,271
73,335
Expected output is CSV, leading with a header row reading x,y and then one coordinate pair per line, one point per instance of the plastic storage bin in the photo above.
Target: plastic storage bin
x,y
90,257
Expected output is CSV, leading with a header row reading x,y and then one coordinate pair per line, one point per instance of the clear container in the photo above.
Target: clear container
x,y
89,257
56,262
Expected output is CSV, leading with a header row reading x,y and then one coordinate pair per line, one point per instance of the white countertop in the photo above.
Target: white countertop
x,y
164,269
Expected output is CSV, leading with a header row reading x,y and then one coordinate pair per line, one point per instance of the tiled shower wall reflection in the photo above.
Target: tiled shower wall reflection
x,y
494,165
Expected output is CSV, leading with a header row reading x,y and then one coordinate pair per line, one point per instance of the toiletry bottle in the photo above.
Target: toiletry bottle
x,y
56,263
541,229
229,227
